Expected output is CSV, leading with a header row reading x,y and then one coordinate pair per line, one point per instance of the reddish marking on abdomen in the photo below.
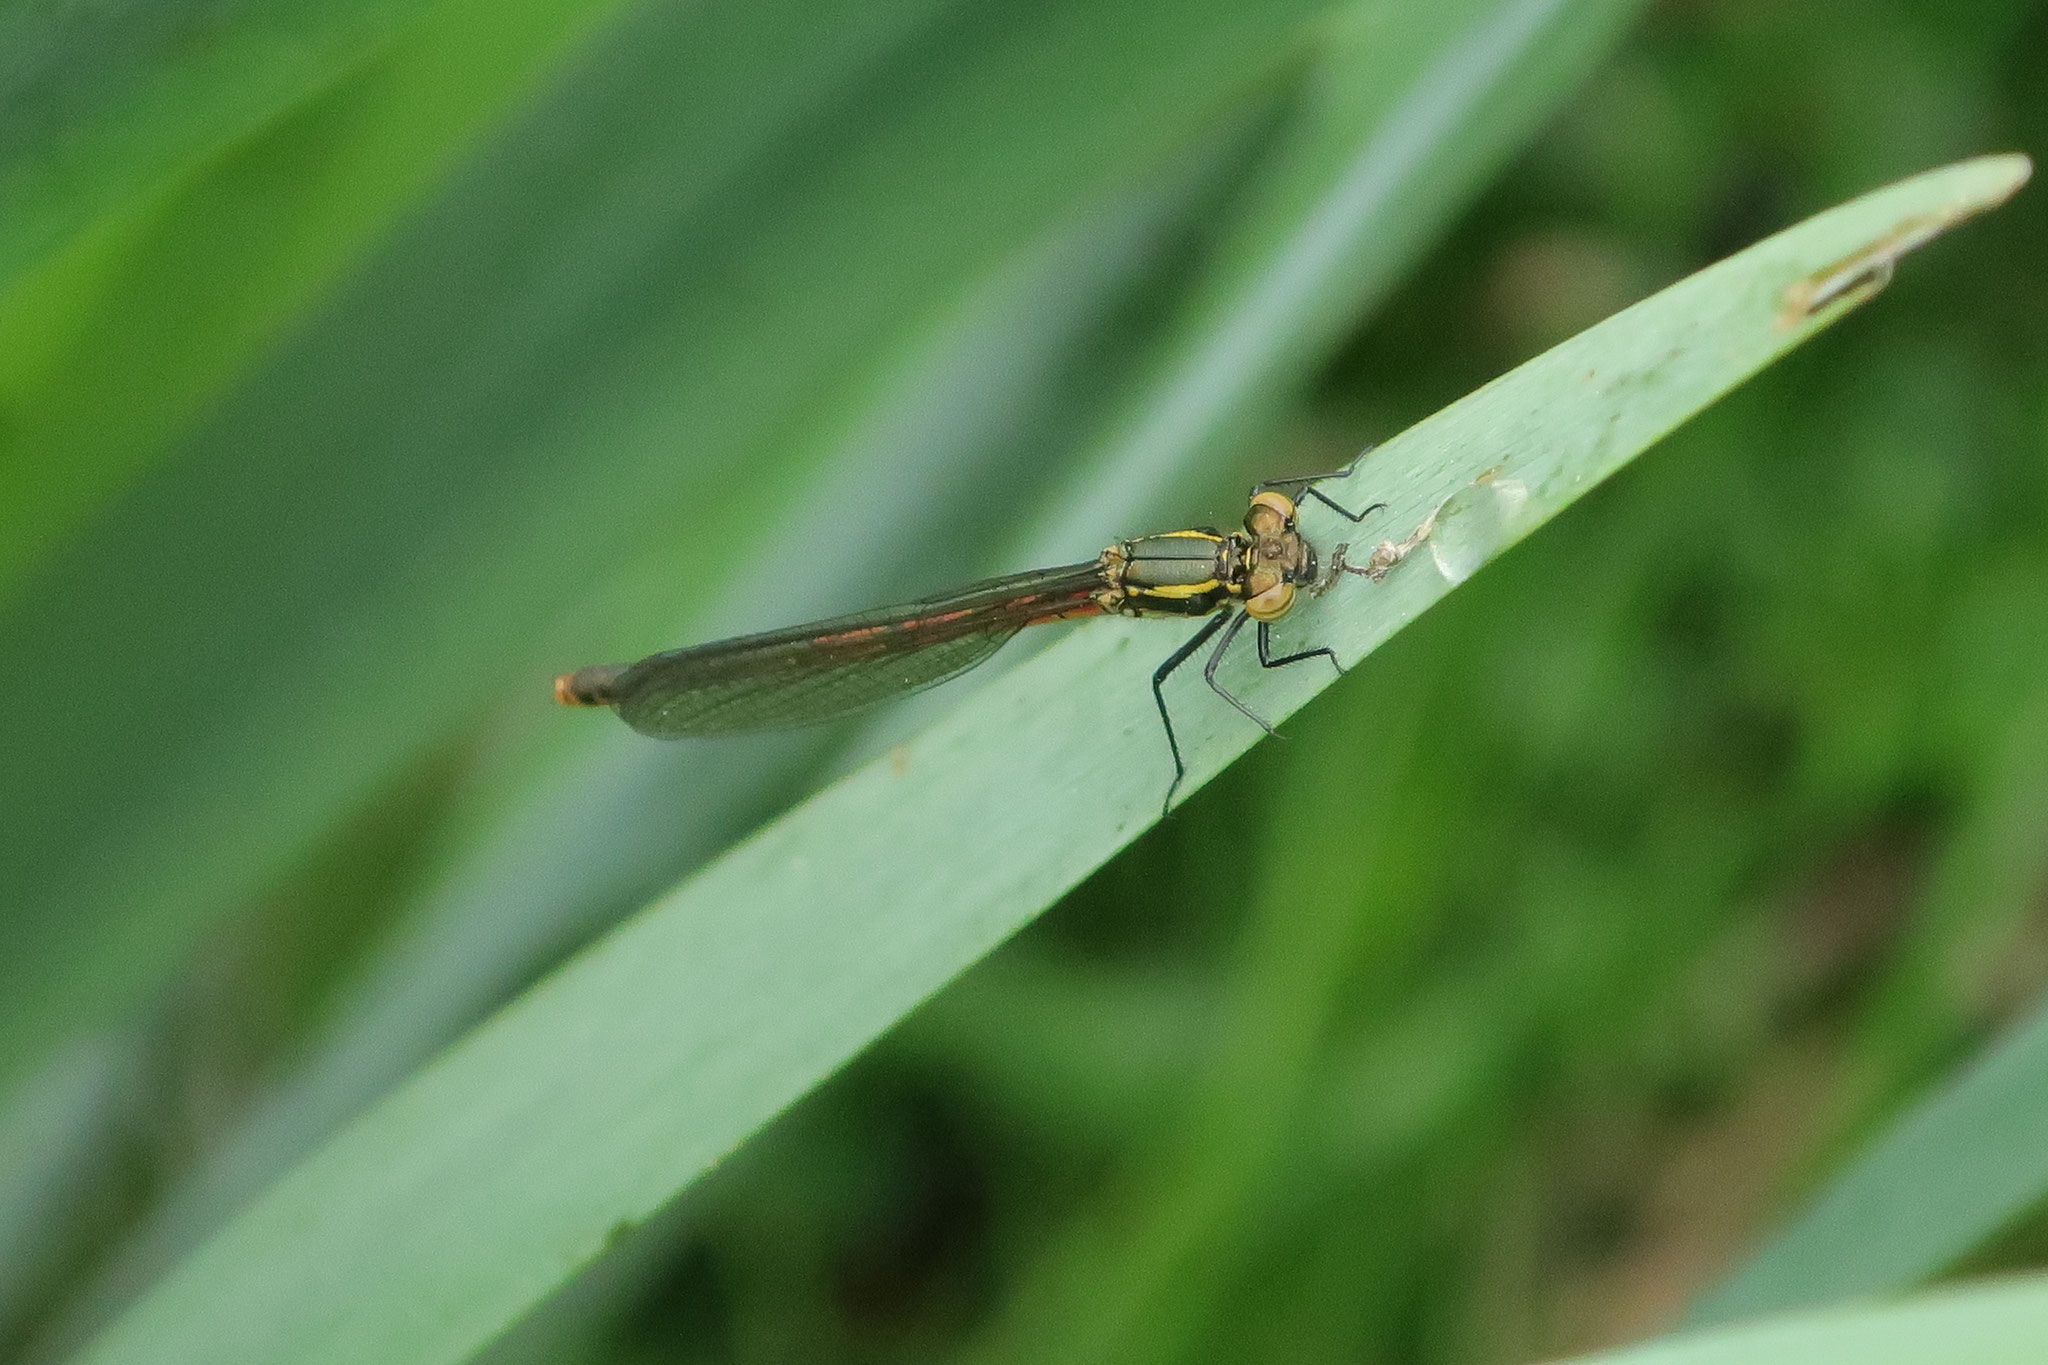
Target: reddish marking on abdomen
x,y
891,628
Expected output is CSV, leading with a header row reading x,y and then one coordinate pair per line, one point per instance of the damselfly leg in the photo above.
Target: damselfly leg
x,y
1266,659
1306,483
1237,620
1159,677
1230,625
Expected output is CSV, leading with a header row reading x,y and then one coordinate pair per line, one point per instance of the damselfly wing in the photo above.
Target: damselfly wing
x,y
827,669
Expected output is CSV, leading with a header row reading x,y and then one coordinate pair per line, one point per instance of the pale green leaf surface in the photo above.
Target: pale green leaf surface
x,y
451,1207
1980,1325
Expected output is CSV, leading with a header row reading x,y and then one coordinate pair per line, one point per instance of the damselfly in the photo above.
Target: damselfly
x,y
829,668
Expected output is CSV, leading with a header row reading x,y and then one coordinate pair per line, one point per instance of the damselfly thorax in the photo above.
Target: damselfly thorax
x,y
1192,573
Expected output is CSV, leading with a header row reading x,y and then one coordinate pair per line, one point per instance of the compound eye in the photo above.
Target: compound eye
x,y
1272,604
1270,514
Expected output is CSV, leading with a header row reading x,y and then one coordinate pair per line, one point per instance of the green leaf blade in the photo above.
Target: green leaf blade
x,y
449,1209
1985,1325
1397,104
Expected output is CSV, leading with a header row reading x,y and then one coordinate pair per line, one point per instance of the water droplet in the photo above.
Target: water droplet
x,y
1474,524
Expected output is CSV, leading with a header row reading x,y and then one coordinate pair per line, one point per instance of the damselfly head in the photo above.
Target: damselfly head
x,y
1270,596
1270,514
1276,558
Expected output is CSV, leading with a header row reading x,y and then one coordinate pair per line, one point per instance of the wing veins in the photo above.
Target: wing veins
x,y
814,672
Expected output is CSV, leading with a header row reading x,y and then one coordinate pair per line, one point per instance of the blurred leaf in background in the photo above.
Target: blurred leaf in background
x,y
345,397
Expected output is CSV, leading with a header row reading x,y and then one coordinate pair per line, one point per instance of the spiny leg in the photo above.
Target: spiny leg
x,y
1165,670
1344,512
1266,659
1306,484
1237,621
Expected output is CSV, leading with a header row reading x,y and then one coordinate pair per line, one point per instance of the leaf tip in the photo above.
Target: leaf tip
x,y
1982,184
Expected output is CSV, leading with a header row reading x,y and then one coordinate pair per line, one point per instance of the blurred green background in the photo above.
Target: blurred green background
x,y
361,368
